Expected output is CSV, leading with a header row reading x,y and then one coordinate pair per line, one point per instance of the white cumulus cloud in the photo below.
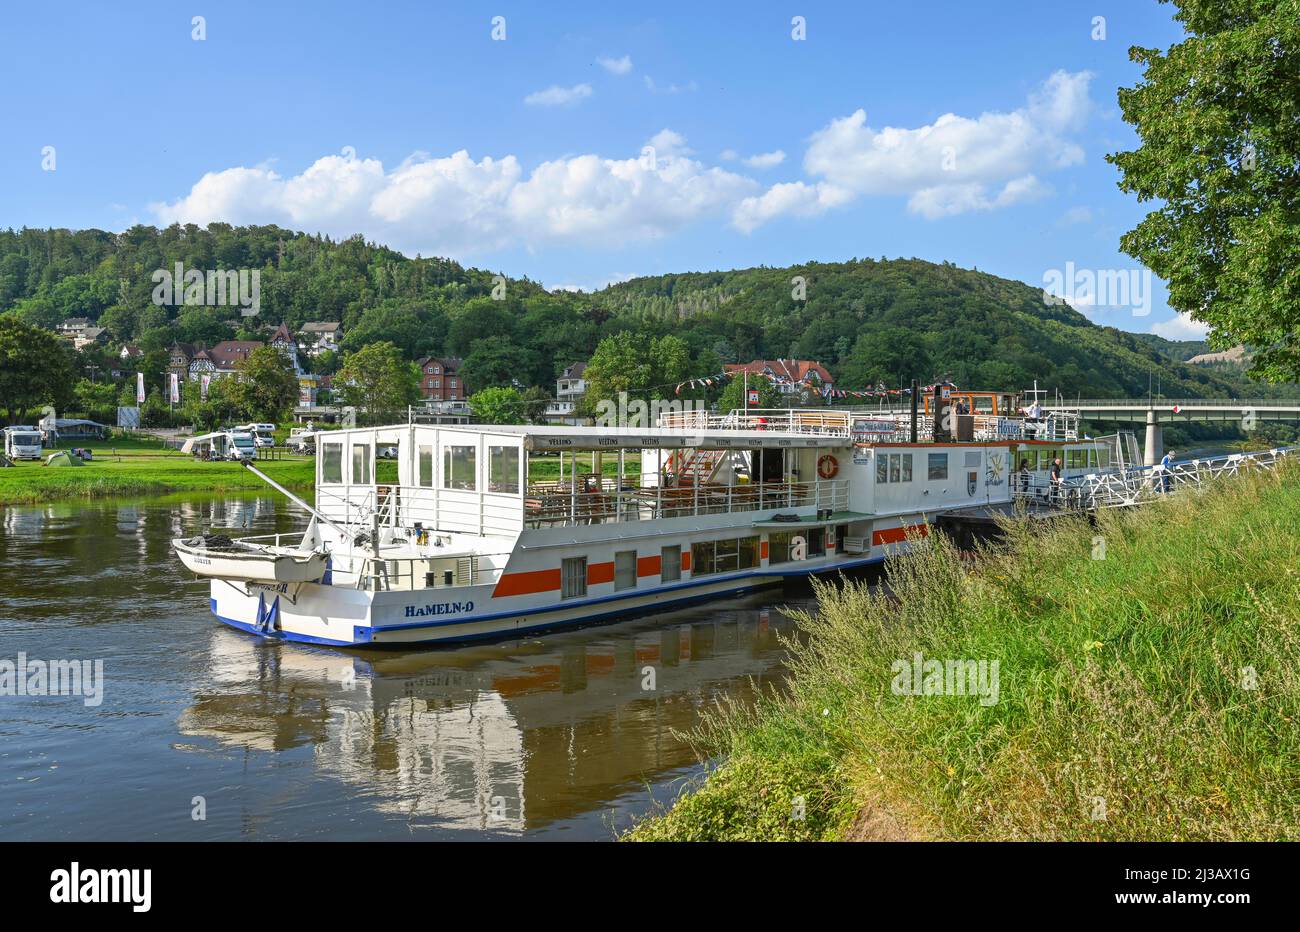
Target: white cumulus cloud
x,y
957,164
458,206
766,159
616,65
1180,327
556,96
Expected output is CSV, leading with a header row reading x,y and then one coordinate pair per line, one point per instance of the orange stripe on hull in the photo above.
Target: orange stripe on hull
x,y
647,566
895,535
598,573
527,583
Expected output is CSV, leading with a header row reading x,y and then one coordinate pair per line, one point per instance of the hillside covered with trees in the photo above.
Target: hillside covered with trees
x,y
869,321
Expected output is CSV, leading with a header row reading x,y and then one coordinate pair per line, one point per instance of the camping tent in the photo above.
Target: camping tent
x,y
63,458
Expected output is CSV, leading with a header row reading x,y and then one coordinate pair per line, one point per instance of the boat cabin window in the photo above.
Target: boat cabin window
x,y
331,468
426,465
938,467
361,474
573,578
724,556
670,564
625,569
893,467
503,470
458,468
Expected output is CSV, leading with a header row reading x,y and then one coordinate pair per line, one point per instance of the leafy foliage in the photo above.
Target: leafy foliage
x,y
1218,115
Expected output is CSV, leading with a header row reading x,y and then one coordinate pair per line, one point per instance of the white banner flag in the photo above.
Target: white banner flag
x,y
203,382
175,388
139,388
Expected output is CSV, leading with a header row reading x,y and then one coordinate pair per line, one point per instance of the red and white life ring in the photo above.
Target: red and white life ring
x,y
827,466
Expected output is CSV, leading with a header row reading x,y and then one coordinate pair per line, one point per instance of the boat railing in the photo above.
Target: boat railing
x,y
1137,484
569,504
428,570
821,422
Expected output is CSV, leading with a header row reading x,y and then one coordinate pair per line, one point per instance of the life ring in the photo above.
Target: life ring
x,y
827,466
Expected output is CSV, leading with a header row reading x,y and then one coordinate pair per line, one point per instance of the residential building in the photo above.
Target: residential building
x,y
790,375
74,326
441,379
89,336
320,336
570,388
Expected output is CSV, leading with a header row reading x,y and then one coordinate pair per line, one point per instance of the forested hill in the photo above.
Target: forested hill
x,y
892,320
868,321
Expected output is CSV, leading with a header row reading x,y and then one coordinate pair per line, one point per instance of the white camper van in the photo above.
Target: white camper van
x,y
23,443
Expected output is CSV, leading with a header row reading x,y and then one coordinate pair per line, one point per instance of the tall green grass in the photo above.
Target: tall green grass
x,y
1149,688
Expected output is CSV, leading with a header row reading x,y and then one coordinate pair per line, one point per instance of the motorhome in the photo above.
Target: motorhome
x,y
263,434
473,535
22,443
222,445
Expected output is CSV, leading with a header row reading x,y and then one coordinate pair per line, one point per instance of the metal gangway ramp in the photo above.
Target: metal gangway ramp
x,y
1141,484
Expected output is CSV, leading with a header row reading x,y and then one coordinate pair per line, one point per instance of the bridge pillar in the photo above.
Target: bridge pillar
x,y
1155,440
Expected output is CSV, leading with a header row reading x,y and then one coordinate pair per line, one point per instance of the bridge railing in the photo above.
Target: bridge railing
x,y
1143,403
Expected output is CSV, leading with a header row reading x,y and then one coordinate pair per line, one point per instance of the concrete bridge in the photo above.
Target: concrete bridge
x,y
1151,411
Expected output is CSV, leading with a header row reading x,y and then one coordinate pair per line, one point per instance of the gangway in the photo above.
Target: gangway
x,y
1141,484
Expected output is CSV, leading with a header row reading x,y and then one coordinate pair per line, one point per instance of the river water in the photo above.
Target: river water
x,y
568,735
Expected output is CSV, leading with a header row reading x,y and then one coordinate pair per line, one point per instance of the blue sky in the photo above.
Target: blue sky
x,y
931,129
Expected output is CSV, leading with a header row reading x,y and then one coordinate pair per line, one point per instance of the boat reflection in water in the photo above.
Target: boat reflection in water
x,y
532,736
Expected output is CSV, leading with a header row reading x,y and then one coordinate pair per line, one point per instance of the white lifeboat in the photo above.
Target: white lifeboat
x,y
218,556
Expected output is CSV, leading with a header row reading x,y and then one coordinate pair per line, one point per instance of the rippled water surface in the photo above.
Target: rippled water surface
x,y
553,736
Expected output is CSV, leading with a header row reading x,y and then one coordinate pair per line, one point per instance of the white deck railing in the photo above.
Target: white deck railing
x,y
1136,485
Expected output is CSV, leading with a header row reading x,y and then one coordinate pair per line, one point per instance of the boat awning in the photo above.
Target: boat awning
x,y
837,517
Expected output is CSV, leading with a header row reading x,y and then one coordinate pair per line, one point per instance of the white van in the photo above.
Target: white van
x,y
23,443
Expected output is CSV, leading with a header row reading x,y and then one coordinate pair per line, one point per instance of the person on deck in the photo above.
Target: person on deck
x,y
1024,475
1166,463
1057,481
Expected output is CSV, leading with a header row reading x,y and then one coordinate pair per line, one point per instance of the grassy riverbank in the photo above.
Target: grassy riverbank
x,y
141,467
1148,688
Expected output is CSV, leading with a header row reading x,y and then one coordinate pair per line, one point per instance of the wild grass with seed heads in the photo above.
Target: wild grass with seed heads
x,y
1150,694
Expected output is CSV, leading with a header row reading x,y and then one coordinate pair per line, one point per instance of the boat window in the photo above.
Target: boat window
x,y
426,466
893,467
458,471
1075,459
331,469
625,570
361,464
778,547
816,541
670,564
503,470
938,467
573,577
725,556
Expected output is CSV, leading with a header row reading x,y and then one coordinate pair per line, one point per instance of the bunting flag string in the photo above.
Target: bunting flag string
x,y
826,391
